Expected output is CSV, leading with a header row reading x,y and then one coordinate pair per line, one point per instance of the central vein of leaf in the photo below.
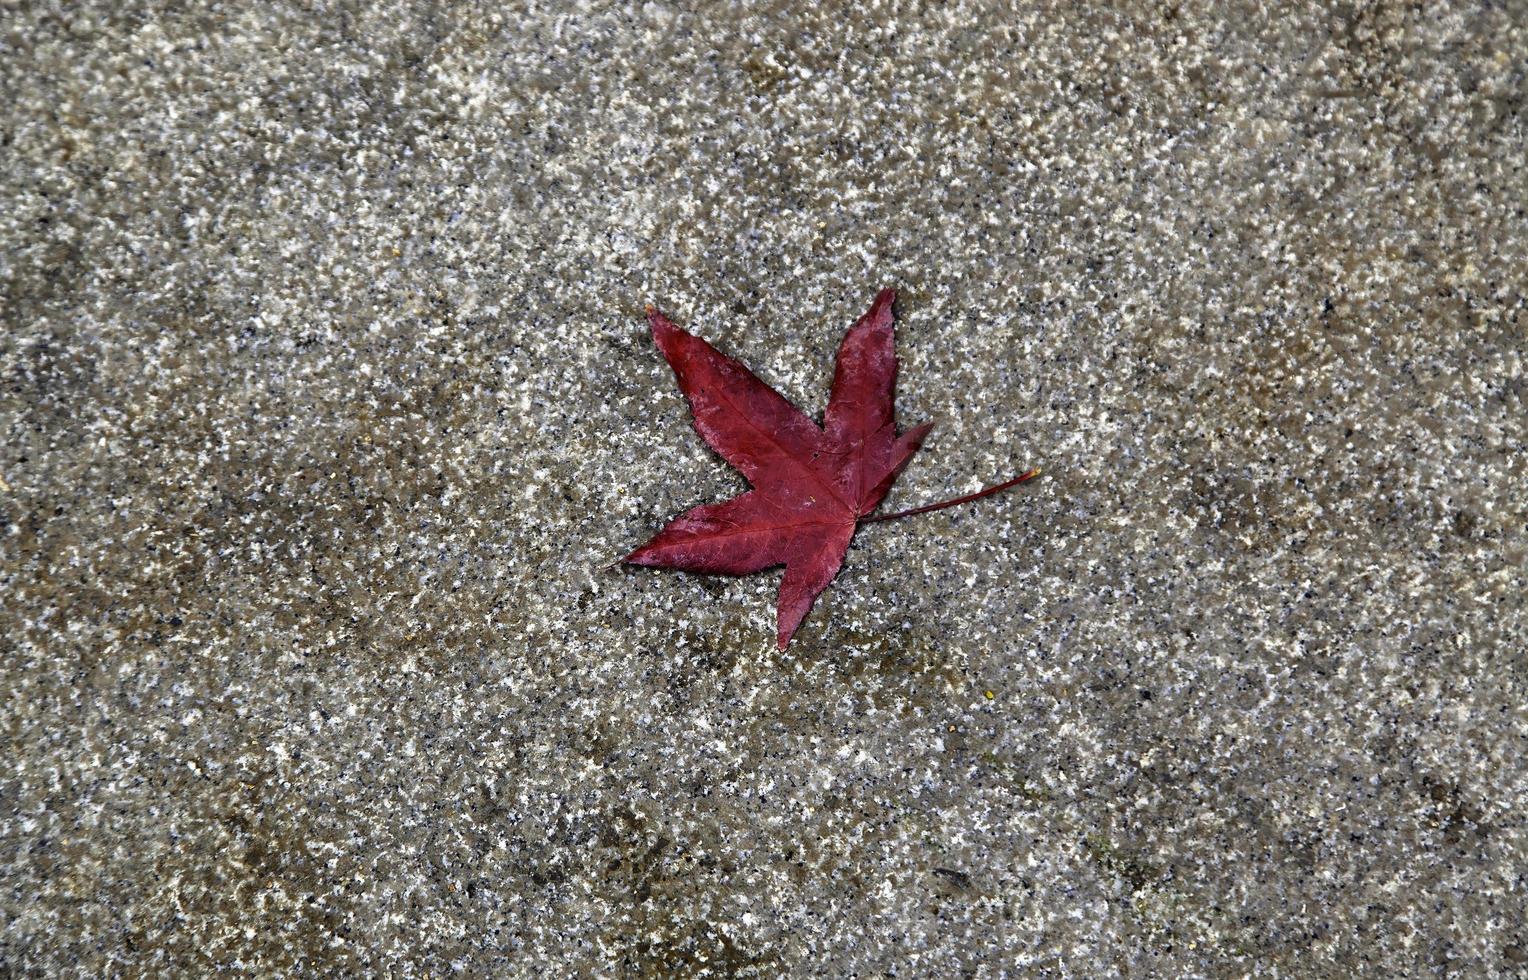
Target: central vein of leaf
x,y
806,465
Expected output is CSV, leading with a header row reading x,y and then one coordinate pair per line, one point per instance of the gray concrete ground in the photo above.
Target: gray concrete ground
x,y
327,403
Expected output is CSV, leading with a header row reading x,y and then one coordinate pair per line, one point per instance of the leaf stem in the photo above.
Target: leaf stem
x,y
1030,475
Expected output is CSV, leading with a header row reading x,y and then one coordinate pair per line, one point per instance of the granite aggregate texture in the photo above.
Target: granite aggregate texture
x,y
327,404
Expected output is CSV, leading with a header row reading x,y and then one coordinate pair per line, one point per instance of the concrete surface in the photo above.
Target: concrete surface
x,y
327,403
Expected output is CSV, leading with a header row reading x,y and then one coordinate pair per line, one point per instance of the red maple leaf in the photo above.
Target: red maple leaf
x,y
812,485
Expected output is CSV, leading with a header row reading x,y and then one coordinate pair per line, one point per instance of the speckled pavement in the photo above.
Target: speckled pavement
x,y
327,404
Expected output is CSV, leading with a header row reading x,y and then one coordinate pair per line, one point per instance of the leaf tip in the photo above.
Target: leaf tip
x,y
659,324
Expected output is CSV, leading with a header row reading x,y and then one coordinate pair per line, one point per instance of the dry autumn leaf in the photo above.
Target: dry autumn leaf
x,y
812,485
